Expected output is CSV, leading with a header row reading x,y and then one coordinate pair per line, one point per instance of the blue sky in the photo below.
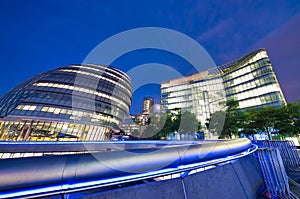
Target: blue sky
x,y
39,35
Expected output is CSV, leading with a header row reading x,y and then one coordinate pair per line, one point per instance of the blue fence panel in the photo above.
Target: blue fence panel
x,y
274,173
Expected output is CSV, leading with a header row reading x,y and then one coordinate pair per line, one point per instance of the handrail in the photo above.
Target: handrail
x,y
77,146
68,173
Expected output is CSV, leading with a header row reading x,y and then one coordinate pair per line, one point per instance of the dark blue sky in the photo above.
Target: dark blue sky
x,y
40,35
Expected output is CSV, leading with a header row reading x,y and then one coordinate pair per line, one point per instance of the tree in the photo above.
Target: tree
x,y
215,123
289,123
266,118
188,123
154,129
176,120
272,119
249,125
283,120
234,119
226,122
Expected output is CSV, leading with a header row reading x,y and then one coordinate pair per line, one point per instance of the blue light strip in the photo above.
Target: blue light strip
x,y
80,186
29,192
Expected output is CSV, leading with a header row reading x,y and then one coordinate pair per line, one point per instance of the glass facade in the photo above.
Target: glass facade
x,y
250,80
75,102
200,93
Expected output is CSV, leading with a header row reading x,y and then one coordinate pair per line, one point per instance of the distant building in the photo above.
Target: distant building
x,y
147,109
131,127
148,105
142,119
250,80
75,102
137,124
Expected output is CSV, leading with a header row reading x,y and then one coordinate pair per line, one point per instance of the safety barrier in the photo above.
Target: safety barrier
x,y
274,173
288,152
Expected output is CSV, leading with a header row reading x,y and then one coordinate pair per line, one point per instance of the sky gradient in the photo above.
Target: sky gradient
x,y
39,35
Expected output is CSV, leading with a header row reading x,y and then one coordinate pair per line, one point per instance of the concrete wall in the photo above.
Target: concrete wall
x,y
240,179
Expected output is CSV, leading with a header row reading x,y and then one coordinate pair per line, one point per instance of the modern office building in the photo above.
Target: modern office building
x,y
77,102
250,80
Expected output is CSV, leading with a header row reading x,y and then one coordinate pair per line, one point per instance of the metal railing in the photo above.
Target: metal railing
x,y
288,152
275,176
75,173
275,158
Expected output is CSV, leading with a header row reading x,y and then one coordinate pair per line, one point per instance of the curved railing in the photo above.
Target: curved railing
x,y
67,173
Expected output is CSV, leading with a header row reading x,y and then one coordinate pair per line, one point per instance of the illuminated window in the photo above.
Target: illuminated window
x,y
69,112
26,107
57,111
20,107
75,88
63,111
97,76
51,109
45,109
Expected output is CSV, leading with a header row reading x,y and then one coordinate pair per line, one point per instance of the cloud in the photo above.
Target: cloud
x,y
216,31
283,46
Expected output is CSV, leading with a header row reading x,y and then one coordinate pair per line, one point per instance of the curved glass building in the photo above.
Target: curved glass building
x,y
75,102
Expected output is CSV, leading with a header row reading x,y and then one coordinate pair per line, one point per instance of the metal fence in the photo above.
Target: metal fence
x,y
274,173
288,152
